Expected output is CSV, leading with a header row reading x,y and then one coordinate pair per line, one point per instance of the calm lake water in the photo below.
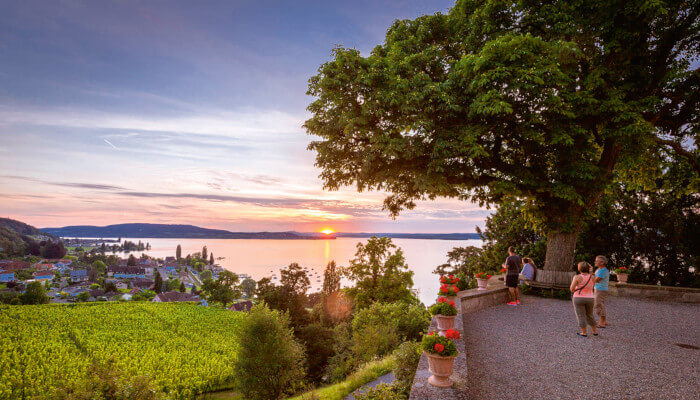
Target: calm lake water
x,y
261,258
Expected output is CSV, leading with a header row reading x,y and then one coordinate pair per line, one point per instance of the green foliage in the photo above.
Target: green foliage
x,y
247,287
49,347
131,261
443,308
158,282
206,275
342,362
497,100
223,290
34,293
378,329
178,252
331,279
104,382
173,284
380,392
82,297
407,357
295,279
379,274
439,345
317,341
144,295
269,361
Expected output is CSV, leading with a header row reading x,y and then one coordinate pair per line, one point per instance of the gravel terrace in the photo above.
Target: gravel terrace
x,y
532,352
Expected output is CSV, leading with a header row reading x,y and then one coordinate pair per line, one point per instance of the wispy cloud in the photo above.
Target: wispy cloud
x,y
79,185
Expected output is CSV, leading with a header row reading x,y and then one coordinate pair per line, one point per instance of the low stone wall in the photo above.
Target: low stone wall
x,y
471,300
654,292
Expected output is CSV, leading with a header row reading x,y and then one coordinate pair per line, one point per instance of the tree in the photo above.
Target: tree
x,y
182,287
131,261
34,294
205,275
204,253
158,283
211,258
82,297
501,100
51,249
178,252
172,284
223,289
331,279
379,274
110,287
295,279
317,341
248,287
269,361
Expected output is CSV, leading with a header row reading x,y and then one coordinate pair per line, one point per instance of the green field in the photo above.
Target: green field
x,y
184,349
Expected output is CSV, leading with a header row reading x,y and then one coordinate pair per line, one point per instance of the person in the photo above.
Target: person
x,y
529,270
582,287
512,264
601,279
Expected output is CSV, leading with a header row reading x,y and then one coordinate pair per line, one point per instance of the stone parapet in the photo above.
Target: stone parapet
x,y
654,292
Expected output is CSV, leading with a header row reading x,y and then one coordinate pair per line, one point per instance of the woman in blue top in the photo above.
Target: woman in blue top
x,y
602,278
529,269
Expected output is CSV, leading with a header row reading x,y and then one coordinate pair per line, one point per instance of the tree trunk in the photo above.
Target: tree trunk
x,y
559,261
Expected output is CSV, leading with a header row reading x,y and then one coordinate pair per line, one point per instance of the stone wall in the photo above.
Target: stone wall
x,y
653,292
471,300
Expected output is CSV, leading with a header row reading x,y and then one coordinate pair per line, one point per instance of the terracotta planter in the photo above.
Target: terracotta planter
x,y
622,278
482,283
441,370
445,322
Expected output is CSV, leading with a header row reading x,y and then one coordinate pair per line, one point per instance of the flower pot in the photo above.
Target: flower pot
x,y
441,369
482,283
622,278
445,322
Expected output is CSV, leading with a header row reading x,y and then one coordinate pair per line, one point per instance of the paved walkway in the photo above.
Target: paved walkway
x,y
531,352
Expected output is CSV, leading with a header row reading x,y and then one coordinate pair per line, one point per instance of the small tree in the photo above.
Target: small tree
x,y
223,289
248,287
269,361
182,287
205,275
331,279
158,283
204,253
211,258
131,261
83,297
34,294
379,273
178,252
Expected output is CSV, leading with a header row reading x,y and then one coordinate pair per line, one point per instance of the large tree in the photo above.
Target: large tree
x,y
498,100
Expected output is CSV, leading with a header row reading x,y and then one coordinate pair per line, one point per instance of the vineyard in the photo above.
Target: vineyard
x,y
183,349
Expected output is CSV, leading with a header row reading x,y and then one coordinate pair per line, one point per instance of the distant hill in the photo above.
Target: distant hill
x,y
440,236
14,236
20,227
196,232
168,231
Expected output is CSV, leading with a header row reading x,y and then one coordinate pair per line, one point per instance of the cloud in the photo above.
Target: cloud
x,y
78,185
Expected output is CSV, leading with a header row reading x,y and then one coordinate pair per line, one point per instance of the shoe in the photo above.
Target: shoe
x,y
579,333
517,302
512,303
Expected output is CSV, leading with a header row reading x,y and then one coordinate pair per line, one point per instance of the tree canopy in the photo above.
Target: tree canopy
x,y
498,100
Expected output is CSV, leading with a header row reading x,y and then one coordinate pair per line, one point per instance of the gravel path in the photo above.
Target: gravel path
x,y
386,378
531,352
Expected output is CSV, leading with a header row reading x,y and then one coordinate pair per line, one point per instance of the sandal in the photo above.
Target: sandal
x,y
595,334
579,333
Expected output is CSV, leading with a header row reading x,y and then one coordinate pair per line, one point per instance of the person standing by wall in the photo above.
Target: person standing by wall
x,y
602,278
512,264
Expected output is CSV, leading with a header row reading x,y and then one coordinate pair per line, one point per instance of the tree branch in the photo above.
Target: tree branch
x,y
681,152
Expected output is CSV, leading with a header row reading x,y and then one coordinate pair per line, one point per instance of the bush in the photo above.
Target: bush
x,y
318,343
407,357
377,330
269,361
448,290
381,392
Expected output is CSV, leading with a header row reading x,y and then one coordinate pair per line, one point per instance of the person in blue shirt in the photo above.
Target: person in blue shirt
x,y
528,272
602,278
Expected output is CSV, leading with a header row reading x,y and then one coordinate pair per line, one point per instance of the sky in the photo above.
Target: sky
x,y
184,112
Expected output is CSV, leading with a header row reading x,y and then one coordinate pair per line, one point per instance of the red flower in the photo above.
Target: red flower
x,y
442,300
503,270
455,288
442,279
444,290
431,333
452,334
439,348
452,303
452,276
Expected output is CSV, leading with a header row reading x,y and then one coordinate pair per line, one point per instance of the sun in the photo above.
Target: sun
x,y
327,231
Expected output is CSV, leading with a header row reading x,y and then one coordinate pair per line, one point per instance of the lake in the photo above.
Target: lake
x,y
261,258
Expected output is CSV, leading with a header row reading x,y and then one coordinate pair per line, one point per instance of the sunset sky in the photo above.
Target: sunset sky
x,y
175,112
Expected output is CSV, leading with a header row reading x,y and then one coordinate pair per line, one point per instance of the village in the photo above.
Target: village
x,y
66,280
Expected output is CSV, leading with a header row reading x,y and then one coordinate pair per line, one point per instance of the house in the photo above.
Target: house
x,y
169,259
169,297
43,275
7,276
126,272
142,283
78,275
242,306
62,261
13,266
43,266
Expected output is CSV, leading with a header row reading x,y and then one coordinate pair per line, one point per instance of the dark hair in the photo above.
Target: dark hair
x,y
528,260
511,249
584,267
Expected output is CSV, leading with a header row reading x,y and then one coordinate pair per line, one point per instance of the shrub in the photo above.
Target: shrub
x,y
381,392
448,290
318,343
269,361
442,307
621,270
465,282
439,345
380,328
407,357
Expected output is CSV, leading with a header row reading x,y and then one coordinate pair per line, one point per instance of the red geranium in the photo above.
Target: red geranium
x,y
444,290
439,348
431,333
442,279
443,300
452,303
504,270
452,334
